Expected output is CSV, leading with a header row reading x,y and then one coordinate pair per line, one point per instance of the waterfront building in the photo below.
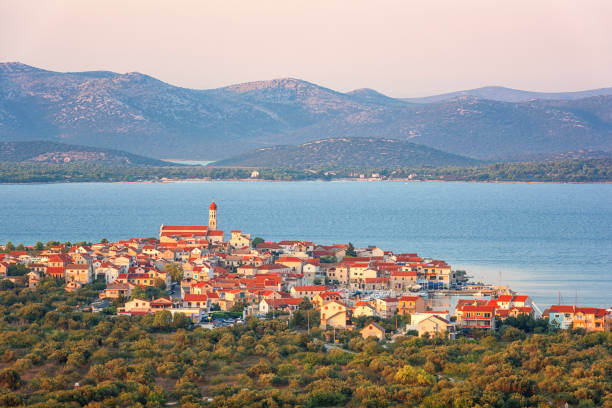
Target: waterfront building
x,y
472,316
588,318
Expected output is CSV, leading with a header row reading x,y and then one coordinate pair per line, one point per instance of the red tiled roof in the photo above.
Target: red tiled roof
x,y
376,280
519,298
317,288
190,297
291,259
184,228
403,273
283,301
409,298
161,301
562,309
55,271
471,308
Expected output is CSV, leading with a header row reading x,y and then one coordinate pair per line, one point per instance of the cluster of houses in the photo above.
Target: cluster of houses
x,y
274,278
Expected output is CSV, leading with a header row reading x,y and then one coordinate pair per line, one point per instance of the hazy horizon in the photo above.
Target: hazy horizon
x,y
401,49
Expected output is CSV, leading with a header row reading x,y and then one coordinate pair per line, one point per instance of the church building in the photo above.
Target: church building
x,y
174,233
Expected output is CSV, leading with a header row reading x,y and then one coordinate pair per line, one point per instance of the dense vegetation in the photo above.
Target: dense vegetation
x,y
590,170
348,153
48,343
45,151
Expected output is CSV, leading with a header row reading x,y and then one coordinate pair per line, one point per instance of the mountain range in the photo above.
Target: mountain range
x,y
502,94
140,114
352,152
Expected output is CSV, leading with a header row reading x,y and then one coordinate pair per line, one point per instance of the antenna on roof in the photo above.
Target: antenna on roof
x,y
576,298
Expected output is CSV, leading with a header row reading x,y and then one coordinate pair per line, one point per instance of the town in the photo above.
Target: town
x,y
193,271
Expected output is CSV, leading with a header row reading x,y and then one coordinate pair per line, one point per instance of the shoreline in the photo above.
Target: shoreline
x,y
166,181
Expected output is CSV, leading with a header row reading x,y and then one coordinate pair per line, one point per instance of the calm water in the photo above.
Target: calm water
x,y
538,238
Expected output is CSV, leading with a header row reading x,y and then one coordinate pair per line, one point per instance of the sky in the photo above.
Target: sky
x,y
401,48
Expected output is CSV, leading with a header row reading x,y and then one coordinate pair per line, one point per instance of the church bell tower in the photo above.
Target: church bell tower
x,y
212,217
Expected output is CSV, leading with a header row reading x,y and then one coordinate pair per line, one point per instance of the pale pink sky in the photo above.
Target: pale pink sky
x,y
402,48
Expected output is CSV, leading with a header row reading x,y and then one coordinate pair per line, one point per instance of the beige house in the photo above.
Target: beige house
x,y
246,270
401,281
117,290
136,306
376,284
386,307
284,304
364,309
240,240
357,271
81,273
33,279
333,314
308,292
339,274
410,305
291,262
310,272
373,330
435,324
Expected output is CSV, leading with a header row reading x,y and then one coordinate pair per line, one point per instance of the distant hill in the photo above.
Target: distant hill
x,y
140,114
502,94
347,153
52,152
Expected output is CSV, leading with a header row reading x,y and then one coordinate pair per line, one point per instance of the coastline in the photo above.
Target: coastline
x,y
346,179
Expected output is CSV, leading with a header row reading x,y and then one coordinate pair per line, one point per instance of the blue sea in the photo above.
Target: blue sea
x,y
545,240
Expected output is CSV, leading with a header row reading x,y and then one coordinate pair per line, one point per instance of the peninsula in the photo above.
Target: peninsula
x,y
191,317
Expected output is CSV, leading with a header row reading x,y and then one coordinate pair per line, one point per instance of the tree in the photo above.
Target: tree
x,y
20,247
180,321
10,379
9,246
160,283
17,270
162,320
175,271
350,251
257,240
238,307
39,246
104,241
138,292
305,304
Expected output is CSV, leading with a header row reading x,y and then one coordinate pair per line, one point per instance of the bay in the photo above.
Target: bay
x,y
540,239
